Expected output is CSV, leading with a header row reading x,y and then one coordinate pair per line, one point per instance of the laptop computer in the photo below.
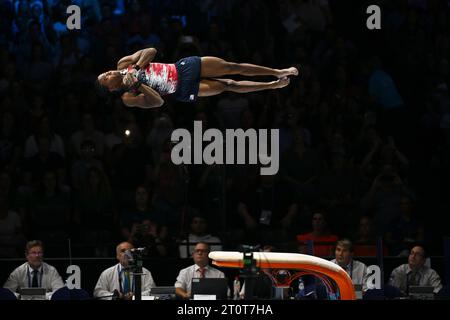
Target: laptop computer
x,y
32,293
163,293
213,287
162,290
421,292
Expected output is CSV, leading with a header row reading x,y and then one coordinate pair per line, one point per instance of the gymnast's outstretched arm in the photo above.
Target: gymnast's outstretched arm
x,y
140,58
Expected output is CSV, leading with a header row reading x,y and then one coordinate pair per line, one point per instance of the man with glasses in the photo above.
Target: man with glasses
x,y
415,273
34,273
200,269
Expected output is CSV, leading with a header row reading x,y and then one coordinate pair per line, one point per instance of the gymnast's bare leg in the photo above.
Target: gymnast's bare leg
x,y
213,67
212,87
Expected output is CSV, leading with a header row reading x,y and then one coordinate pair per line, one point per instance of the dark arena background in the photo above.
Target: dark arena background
x,y
364,139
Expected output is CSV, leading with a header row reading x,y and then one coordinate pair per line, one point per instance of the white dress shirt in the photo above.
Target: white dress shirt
x,y
357,272
184,279
21,277
425,276
110,280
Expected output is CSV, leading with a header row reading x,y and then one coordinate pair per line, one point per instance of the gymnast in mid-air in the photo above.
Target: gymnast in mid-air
x,y
144,82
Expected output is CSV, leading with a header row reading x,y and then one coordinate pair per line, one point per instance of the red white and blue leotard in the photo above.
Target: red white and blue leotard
x,y
161,77
181,80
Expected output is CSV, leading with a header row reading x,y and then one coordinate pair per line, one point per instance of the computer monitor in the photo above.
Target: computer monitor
x,y
421,292
32,293
217,287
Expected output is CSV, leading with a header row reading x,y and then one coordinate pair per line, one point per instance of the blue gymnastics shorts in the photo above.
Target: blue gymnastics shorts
x,y
188,69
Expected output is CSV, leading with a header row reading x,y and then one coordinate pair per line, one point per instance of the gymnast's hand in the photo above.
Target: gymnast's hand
x,y
129,80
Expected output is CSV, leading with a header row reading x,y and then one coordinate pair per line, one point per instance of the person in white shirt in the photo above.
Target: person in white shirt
x,y
200,269
88,132
198,233
34,273
355,269
415,272
117,281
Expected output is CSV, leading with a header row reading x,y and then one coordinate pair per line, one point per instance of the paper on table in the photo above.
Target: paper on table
x,y
205,297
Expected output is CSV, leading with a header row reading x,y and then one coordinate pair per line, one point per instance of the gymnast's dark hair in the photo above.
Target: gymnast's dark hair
x,y
102,91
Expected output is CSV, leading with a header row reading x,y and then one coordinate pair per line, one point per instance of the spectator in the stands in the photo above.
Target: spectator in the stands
x,y
198,233
323,239
405,228
300,166
383,198
12,238
44,131
44,160
81,166
95,212
88,132
50,210
10,142
142,226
